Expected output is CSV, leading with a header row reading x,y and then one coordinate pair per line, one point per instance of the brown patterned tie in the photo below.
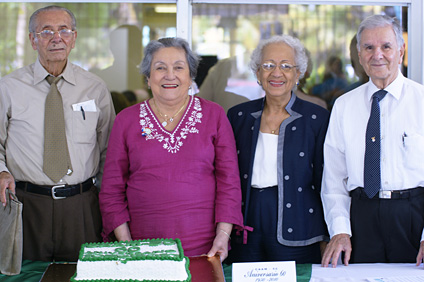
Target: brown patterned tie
x,y
56,155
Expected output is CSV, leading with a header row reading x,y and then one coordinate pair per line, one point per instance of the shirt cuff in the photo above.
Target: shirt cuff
x,y
340,225
3,168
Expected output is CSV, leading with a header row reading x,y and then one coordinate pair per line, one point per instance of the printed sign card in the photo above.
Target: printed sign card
x,y
271,271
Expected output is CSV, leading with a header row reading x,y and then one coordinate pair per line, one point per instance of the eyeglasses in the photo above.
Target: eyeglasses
x,y
49,34
268,66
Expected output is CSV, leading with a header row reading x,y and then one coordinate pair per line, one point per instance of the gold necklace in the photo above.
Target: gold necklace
x,y
171,119
272,131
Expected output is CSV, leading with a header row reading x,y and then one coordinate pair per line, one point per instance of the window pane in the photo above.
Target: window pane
x,y
230,32
110,38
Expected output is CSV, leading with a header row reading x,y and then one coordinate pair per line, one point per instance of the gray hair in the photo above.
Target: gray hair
x,y
300,57
380,21
33,19
156,45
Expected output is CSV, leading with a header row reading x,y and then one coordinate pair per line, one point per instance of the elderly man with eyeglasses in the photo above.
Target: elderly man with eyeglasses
x,y
55,119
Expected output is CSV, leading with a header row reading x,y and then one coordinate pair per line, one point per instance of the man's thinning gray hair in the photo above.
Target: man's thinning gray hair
x,y
33,19
375,21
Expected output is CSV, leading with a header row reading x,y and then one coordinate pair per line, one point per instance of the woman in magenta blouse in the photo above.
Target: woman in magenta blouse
x,y
171,169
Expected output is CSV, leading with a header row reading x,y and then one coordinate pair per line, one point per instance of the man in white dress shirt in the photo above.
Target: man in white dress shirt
x,y
387,227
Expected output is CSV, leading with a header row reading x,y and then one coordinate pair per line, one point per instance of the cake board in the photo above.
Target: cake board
x,y
202,269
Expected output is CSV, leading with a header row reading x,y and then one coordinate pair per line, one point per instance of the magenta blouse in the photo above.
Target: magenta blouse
x,y
177,184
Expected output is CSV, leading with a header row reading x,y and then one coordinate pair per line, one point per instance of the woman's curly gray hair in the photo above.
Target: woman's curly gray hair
x,y
156,45
300,57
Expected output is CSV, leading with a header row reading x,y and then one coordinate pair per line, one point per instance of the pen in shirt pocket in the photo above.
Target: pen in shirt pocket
x,y
83,113
403,138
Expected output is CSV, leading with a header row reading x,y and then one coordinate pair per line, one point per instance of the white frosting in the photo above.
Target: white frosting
x,y
132,269
137,270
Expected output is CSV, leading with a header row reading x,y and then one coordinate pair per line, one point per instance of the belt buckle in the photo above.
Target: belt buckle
x,y
385,194
54,192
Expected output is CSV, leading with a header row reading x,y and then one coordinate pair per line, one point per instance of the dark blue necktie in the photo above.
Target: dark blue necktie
x,y
372,173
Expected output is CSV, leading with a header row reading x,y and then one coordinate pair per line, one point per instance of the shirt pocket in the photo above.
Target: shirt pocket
x,y
84,127
414,150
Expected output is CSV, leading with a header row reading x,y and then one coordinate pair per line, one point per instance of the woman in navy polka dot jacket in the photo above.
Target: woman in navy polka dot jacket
x,y
279,142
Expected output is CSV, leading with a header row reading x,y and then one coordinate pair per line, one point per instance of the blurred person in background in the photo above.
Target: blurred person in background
x,y
334,80
300,91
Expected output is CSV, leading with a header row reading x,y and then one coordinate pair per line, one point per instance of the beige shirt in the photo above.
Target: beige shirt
x,y
22,98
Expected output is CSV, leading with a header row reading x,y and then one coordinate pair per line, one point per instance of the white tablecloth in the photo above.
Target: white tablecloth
x,y
381,272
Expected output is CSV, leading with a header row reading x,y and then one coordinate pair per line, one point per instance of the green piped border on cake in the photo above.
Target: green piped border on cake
x,y
180,250
187,264
135,257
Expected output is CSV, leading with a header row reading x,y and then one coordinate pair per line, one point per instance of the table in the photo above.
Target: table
x,y
366,272
33,270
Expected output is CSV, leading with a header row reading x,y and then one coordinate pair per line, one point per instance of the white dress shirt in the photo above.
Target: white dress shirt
x,y
402,146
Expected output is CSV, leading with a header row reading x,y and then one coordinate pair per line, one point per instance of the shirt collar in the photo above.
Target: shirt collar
x,y
394,88
257,114
291,102
40,73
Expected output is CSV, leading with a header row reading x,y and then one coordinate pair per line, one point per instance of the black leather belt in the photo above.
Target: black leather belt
x,y
58,191
393,194
262,189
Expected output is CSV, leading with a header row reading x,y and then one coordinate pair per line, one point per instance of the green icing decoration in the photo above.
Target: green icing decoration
x,y
169,242
127,251
121,250
155,243
133,249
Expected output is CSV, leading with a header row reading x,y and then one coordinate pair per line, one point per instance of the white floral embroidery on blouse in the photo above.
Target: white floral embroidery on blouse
x,y
172,141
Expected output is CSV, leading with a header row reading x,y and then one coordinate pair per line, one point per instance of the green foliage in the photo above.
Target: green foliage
x,y
94,23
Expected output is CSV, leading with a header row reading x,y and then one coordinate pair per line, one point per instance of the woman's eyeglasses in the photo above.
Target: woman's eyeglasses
x,y
268,66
